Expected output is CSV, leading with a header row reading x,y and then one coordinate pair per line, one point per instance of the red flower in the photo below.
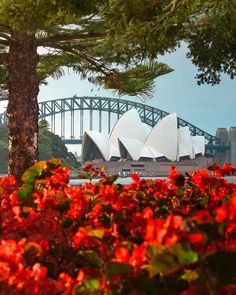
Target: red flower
x,y
79,237
66,281
121,254
228,290
195,238
190,291
135,177
201,179
228,169
147,213
138,257
222,213
163,231
203,216
77,231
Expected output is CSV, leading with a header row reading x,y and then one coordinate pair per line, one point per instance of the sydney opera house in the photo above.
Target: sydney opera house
x,y
132,140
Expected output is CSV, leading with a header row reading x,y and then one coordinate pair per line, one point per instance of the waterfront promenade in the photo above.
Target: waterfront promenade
x,y
160,168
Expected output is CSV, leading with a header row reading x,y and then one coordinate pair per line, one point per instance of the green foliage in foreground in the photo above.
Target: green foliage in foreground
x,y
50,146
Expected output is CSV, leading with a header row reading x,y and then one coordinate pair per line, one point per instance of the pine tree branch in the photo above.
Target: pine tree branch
x,y
67,37
104,70
6,37
4,42
192,28
90,17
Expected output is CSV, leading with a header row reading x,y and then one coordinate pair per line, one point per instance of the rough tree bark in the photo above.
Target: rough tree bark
x,y
22,110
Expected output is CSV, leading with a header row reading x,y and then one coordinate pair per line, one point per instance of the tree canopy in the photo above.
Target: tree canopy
x,y
75,34
159,26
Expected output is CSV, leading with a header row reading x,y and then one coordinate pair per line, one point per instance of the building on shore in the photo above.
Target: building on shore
x,y
133,146
227,139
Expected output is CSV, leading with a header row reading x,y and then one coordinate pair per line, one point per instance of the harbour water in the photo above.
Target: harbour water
x,y
120,180
128,180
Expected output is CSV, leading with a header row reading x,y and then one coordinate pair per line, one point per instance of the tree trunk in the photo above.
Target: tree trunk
x,y
22,110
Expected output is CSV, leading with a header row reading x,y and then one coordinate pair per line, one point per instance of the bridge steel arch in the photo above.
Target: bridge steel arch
x,y
148,114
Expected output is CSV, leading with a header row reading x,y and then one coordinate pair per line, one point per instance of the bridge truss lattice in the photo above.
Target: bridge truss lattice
x,y
148,114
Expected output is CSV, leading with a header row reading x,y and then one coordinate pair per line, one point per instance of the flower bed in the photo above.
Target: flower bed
x,y
173,236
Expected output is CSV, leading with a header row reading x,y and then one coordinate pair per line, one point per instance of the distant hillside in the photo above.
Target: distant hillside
x,y
3,149
50,146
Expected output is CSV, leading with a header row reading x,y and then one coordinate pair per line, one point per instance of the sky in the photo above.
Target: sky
x,y
207,107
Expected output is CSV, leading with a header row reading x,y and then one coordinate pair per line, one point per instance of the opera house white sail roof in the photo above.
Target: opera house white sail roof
x,y
131,139
128,126
185,144
162,139
132,145
95,145
198,144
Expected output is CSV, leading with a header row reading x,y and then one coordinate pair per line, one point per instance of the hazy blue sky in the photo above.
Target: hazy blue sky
x,y
208,107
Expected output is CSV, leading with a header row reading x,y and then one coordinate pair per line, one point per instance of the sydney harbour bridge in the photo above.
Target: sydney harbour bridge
x,y
70,117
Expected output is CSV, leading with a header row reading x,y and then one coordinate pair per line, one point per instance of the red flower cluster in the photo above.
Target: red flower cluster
x,y
173,236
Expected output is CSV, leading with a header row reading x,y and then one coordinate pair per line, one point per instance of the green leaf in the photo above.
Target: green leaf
x,y
126,244
84,175
97,233
53,163
110,179
88,286
66,222
190,275
30,174
92,257
31,249
227,198
118,268
184,256
204,201
25,191
165,260
64,206
28,178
